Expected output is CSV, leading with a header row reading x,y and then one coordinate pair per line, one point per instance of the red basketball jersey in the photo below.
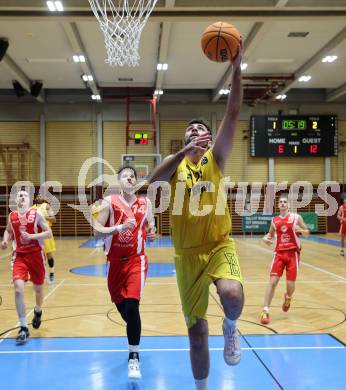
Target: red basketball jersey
x,y
129,242
286,237
26,222
343,208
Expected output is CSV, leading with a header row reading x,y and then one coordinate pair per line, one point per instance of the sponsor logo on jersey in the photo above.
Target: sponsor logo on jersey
x,y
204,160
284,228
125,236
285,238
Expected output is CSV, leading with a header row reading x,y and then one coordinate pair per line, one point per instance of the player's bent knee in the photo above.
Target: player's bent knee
x,y
231,290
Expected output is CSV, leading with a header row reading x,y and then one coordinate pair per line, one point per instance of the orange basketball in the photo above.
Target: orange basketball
x,y
220,41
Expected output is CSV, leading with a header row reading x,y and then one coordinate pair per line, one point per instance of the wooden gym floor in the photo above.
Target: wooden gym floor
x,y
78,305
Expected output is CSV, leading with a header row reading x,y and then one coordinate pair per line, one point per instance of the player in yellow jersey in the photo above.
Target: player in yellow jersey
x,y
49,244
204,251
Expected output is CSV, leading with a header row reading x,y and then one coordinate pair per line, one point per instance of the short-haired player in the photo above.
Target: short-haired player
x,y
285,228
126,222
27,228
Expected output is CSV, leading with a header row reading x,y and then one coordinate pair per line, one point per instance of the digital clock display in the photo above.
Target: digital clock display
x,y
274,136
293,124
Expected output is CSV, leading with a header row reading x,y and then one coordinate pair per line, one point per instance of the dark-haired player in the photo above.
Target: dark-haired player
x,y
205,253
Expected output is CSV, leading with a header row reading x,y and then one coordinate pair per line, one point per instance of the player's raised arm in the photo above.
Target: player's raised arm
x,y
224,139
166,170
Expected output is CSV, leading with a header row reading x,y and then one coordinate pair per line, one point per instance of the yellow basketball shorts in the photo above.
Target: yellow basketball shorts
x,y
49,245
196,272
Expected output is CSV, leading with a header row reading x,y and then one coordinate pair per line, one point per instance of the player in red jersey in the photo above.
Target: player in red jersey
x,y
27,228
126,221
285,227
342,218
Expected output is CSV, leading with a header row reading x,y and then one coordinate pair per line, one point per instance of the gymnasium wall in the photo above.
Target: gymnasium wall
x,y
68,145
19,133
70,142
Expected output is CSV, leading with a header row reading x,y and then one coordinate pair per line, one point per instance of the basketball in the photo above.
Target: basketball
x,y
220,41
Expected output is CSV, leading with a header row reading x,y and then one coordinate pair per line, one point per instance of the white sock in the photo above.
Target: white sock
x,y
23,321
231,323
201,384
38,309
266,308
134,348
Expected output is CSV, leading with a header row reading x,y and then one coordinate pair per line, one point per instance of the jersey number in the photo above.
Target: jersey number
x,y
139,210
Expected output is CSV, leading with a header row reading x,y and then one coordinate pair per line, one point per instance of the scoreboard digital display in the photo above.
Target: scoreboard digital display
x,y
141,139
293,136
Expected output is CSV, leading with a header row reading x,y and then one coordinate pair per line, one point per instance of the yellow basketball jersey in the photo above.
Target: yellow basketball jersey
x,y
42,208
196,190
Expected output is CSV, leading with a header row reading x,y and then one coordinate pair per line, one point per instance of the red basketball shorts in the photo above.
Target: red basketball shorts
x,y
126,277
286,259
29,266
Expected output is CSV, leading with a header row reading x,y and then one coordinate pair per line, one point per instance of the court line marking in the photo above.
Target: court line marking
x,y
32,310
175,283
302,262
169,350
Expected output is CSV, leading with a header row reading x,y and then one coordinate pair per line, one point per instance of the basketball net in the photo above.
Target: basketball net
x,y
122,22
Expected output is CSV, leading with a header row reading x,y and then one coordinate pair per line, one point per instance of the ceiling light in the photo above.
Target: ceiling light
x,y
329,58
51,6
281,97
95,97
224,91
55,6
78,58
158,92
162,66
59,6
304,78
87,77
243,65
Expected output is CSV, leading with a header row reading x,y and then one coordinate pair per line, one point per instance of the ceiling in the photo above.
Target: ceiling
x,y
41,46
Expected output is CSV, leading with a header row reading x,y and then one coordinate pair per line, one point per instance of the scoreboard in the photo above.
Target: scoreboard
x,y
293,136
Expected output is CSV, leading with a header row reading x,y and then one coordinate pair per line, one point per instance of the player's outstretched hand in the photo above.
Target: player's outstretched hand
x,y
268,239
4,245
129,224
199,143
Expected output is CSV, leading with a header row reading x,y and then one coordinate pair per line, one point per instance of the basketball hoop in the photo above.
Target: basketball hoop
x,y
122,22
